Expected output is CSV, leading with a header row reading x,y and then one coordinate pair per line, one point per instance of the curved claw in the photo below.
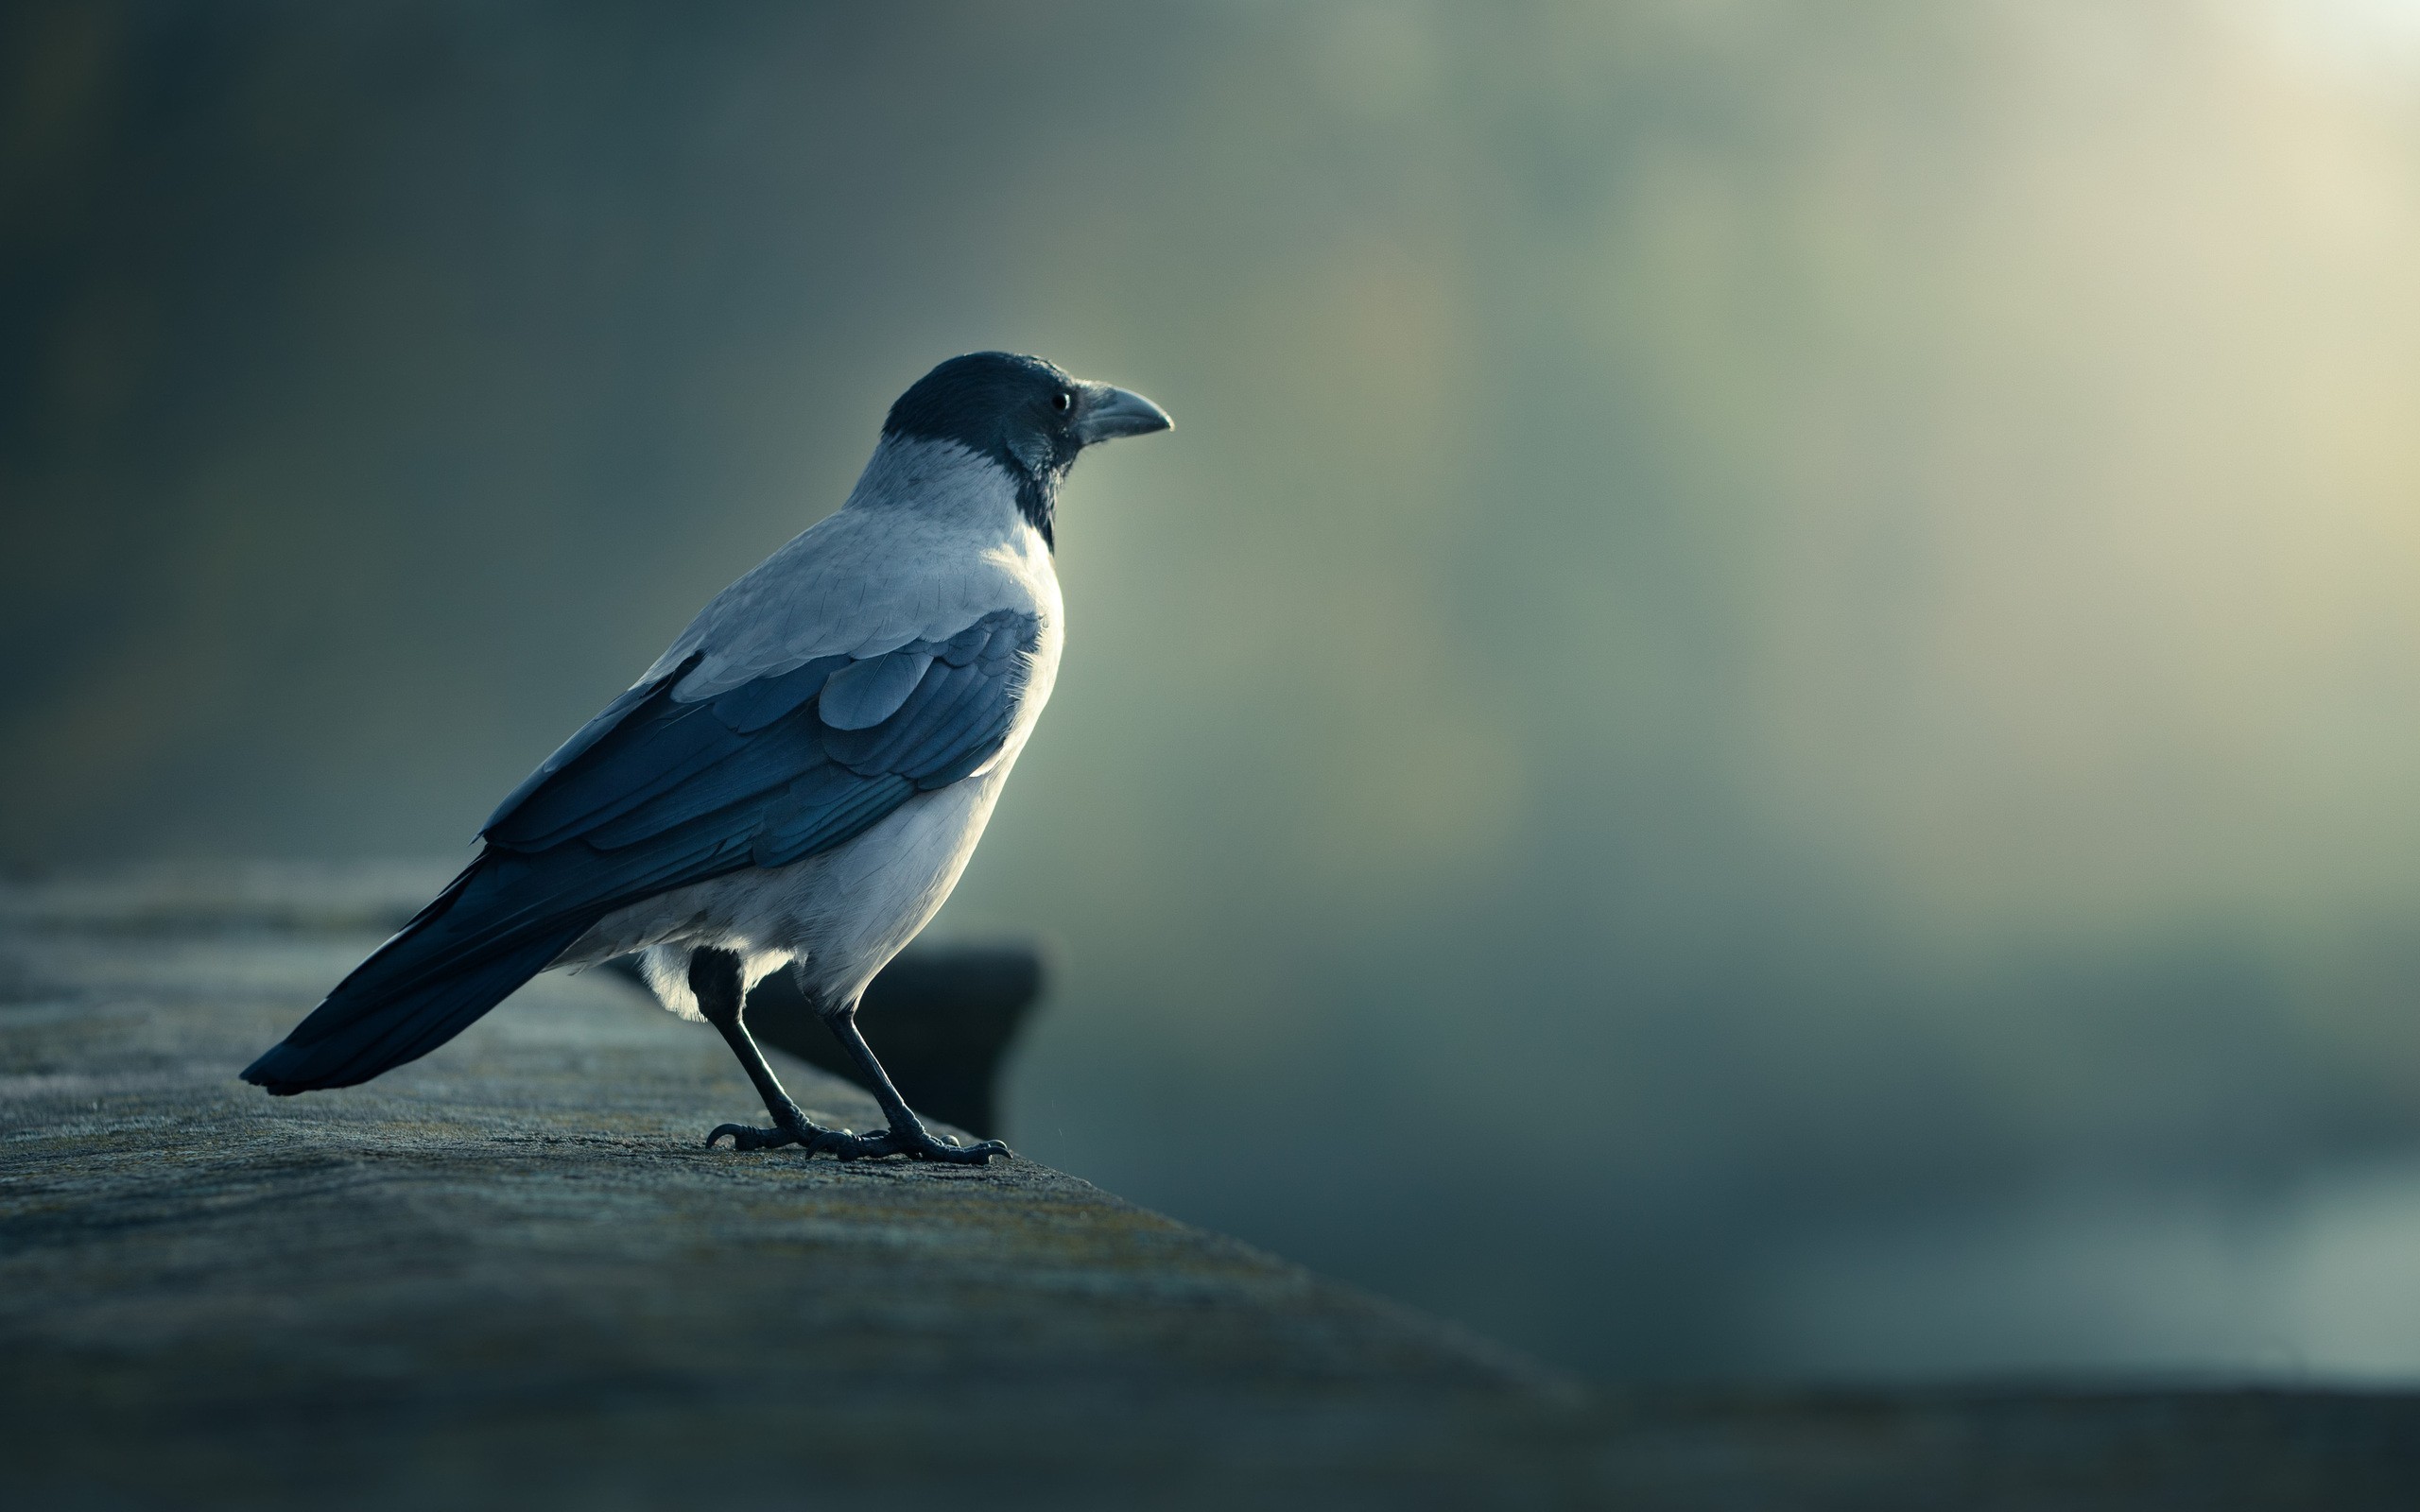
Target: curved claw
x,y
915,1144
957,1154
744,1137
919,1145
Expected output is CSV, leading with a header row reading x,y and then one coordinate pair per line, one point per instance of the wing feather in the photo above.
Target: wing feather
x,y
667,793
869,691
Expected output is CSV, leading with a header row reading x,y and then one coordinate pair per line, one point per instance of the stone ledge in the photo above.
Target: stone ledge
x,y
510,1270
509,1275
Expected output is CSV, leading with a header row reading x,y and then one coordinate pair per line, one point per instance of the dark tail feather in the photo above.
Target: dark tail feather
x,y
418,991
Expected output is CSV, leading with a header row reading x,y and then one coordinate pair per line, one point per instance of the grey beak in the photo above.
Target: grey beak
x,y
1107,413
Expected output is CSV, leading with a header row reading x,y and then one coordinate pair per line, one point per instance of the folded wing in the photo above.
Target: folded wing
x,y
658,793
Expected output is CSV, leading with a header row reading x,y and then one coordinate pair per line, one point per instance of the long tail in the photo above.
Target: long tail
x,y
433,980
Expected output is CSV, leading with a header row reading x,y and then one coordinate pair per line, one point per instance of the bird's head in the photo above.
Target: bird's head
x,y
1024,414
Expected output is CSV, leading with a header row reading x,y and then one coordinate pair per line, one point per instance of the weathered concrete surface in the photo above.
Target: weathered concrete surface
x,y
509,1275
512,1269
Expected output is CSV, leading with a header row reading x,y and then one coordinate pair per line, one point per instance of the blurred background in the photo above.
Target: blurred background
x,y
1761,722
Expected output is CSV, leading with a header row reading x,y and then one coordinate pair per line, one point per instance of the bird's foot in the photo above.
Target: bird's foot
x,y
920,1144
809,1136
744,1137
916,1142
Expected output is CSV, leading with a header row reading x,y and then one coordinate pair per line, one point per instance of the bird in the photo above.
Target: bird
x,y
795,784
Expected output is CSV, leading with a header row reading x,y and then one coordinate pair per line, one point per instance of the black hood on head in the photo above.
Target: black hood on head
x,y
1026,414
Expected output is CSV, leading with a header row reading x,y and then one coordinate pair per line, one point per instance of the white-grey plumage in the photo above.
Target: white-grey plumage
x,y
931,542
797,781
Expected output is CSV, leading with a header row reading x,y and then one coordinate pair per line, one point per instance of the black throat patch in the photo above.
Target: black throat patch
x,y
1005,407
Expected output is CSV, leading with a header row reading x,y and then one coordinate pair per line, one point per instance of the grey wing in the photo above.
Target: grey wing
x,y
657,793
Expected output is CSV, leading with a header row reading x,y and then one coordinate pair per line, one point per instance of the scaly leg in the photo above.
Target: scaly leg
x,y
906,1135
715,977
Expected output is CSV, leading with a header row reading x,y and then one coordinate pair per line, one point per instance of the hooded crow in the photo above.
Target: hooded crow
x,y
797,782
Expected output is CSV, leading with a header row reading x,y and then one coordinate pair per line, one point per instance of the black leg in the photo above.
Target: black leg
x,y
908,1135
715,977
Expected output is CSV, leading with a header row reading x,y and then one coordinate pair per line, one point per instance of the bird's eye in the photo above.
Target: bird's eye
x,y
1063,400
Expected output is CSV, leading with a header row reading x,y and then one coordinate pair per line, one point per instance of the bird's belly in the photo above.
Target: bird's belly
x,y
841,914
